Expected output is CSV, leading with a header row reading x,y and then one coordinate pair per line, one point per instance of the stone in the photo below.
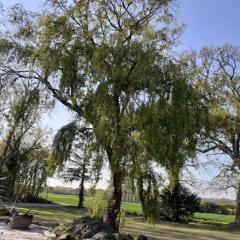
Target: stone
x,y
49,234
87,234
4,218
99,236
116,236
142,237
64,236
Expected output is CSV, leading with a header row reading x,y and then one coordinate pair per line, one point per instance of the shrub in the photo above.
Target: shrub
x,y
99,204
178,204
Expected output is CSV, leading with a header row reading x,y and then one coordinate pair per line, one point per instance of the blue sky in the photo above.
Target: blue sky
x,y
208,23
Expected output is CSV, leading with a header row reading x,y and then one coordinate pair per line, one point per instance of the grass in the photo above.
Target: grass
x,y
65,212
135,208
214,218
72,200
135,225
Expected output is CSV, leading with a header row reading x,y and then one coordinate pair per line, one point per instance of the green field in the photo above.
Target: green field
x,y
135,208
72,200
136,225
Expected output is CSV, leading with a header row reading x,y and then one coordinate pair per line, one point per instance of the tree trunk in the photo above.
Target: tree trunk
x,y
237,215
12,175
81,189
141,193
114,204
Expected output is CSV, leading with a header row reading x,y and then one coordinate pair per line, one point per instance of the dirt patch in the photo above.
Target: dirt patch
x,y
32,233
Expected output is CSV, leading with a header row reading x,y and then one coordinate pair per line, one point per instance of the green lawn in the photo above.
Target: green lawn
x,y
73,201
135,225
214,218
136,208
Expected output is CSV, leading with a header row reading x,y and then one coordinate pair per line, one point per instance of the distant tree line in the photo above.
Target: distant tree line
x,y
211,207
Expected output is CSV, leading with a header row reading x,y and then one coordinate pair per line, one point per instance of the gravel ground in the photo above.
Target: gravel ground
x,y
32,233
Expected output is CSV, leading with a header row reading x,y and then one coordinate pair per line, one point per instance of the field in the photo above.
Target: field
x,y
135,225
135,208
64,210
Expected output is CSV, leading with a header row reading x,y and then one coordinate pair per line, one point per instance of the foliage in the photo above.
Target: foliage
x,y
98,58
122,219
149,193
215,71
22,153
99,205
178,204
75,149
106,61
171,123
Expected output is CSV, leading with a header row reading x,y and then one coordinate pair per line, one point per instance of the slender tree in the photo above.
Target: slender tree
x,y
77,156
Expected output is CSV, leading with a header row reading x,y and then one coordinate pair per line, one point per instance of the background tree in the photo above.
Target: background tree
x,y
172,123
83,161
145,177
32,175
178,204
215,72
21,138
100,59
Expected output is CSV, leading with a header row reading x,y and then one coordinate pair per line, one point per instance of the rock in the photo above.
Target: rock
x,y
99,236
142,237
64,237
88,228
87,234
49,234
116,236
4,218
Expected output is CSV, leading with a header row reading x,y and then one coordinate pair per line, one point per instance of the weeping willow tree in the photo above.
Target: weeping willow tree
x,y
144,176
101,59
172,123
166,135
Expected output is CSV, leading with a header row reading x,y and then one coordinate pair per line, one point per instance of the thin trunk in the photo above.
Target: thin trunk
x,y
81,189
12,185
237,215
114,204
141,193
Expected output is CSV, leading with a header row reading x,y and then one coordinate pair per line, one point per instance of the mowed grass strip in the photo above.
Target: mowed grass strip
x,y
214,218
135,208
72,200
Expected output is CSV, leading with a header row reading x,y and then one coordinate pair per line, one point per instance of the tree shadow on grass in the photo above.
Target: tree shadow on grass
x,y
171,231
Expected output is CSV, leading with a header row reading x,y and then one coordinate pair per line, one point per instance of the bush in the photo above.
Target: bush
x,y
178,204
99,204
